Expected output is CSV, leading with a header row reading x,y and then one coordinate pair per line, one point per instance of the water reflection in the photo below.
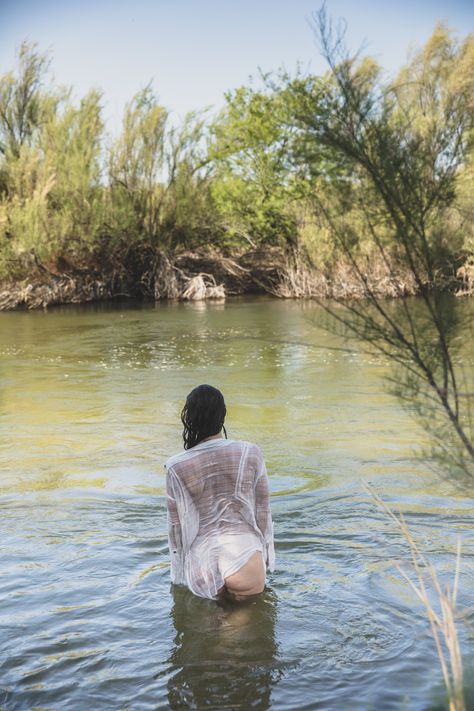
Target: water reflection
x,y
224,654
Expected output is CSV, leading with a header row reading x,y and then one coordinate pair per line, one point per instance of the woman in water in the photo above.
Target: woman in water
x,y
219,522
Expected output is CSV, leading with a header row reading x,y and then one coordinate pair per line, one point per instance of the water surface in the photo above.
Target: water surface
x,y
89,412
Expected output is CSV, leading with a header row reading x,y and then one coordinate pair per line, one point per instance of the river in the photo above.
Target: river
x,y
89,412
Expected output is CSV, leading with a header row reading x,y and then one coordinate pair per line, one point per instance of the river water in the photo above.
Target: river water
x,y
89,412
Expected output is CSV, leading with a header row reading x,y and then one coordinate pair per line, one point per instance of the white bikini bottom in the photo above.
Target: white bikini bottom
x,y
235,549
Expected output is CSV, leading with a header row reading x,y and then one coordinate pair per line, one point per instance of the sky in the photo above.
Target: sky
x,y
195,50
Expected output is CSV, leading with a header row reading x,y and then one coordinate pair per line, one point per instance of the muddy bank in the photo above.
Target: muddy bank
x,y
205,274
185,275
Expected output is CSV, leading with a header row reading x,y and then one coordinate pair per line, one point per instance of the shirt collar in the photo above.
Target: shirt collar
x,y
208,443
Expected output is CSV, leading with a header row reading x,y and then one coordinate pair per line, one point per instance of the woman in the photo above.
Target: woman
x,y
219,521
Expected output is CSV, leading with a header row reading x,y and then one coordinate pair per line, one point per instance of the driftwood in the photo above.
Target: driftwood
x,y
172,282
202,286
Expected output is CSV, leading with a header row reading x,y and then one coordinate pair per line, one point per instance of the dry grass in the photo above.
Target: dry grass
x,y
442,623
342,281
298,281
206,273
41,293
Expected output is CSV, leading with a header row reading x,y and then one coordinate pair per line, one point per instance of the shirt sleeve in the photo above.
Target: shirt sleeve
x,y
175,538
263,514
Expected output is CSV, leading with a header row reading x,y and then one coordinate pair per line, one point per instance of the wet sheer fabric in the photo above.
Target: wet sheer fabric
x,y
218,513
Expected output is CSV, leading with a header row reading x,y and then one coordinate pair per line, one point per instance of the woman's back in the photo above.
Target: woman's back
x,y
218,479
216,489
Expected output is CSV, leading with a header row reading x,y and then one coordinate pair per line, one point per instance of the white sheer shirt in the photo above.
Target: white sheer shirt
x,y
220,486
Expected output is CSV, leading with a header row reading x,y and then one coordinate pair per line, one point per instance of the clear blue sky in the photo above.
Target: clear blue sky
x,y
194,50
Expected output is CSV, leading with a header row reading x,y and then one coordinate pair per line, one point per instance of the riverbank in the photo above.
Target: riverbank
x,y
207,273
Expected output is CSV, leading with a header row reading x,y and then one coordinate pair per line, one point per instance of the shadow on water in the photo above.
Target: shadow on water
x,y
224,654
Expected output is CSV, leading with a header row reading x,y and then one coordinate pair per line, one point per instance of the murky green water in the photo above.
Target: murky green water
x,y
89,412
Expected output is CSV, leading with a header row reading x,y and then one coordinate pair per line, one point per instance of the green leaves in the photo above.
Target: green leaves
x,y
22,102
387,157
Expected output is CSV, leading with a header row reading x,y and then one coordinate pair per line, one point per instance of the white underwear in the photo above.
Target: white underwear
x,y
234,551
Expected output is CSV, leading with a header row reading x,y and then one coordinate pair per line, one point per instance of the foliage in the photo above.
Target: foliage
x,y
22,103
406,143
254,187
135,165
280,158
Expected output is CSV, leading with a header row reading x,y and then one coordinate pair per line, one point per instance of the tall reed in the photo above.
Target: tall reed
x,y
442,623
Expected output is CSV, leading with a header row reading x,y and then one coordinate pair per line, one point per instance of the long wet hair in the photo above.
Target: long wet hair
x,y
203,415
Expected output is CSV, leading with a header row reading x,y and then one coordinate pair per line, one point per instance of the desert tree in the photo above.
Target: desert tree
x,y
406,142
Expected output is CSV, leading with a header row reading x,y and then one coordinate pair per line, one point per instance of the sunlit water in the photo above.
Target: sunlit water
x,y
89,412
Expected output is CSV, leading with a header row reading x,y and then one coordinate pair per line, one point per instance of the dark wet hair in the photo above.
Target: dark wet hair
x,y
203,415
